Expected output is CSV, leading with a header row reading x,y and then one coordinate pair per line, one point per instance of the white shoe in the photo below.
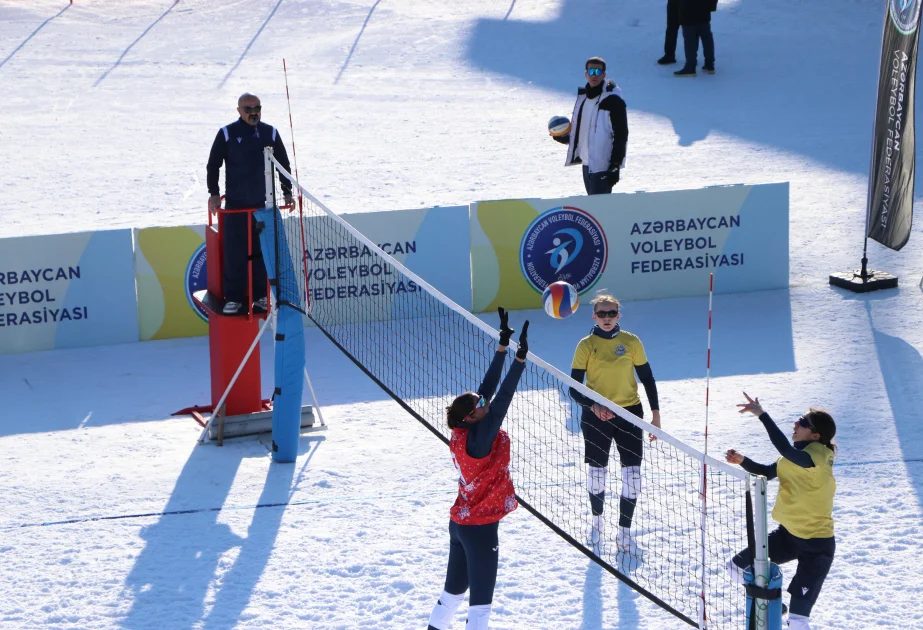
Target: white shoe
x,y
596,535
231,308
799,622
262,303
623,539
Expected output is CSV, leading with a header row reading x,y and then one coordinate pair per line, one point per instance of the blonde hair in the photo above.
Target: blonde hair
x,y
608,298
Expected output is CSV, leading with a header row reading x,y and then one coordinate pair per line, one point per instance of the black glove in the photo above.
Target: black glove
x,y
565,139
523,342
505,331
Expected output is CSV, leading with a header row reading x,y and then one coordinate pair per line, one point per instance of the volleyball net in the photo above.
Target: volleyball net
x,y
423,350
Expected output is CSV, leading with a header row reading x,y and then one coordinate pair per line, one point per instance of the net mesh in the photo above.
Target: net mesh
x,y
424,350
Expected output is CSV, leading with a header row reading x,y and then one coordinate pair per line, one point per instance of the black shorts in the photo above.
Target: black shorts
x,y
814,556
598,436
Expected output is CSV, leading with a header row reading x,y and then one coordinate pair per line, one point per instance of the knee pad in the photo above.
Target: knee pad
x,y
596,482
478,616
444,611
631,482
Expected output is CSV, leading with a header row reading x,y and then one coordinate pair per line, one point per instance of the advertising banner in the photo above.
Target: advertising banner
x,y
170,265
431,242
637,246
890,210
66,291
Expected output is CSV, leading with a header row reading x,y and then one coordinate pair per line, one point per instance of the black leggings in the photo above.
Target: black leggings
x,y
473,554
814,556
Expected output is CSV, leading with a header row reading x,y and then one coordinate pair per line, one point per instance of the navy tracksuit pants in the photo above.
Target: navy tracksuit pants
x,y
235,260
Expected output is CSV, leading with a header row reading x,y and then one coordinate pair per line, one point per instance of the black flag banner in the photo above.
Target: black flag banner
x,y
892,166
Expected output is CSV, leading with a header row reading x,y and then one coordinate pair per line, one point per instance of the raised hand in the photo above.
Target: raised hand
x,y
505,331
752,405
523,342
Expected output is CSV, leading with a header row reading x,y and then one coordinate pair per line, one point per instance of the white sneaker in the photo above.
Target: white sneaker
x,y
231,308
623,539
799,622
596,535
262,303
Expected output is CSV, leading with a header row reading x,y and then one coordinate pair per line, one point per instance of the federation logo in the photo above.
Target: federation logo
x,y
197,279
905,14
619,350
564,243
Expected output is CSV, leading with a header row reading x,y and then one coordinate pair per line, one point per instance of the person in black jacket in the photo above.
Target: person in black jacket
x,y
239,146
695,17
669,38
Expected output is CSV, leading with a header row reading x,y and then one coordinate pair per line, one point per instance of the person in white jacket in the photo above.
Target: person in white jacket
x,y
599,132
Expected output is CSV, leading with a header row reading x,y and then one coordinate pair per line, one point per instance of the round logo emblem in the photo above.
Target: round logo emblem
x,y
564,243
619,350
197,279
905,14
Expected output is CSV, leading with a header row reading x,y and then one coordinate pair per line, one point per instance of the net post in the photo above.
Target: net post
x,y
267,172
761,547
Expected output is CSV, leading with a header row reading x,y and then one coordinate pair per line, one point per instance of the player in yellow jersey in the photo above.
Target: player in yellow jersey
x,y
804,505
609,357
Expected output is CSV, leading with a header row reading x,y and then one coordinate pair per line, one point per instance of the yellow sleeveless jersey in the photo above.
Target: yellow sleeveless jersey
x,y
804,504
609,365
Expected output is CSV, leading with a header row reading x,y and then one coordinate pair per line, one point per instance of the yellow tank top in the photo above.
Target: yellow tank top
x,y
804,505
609,365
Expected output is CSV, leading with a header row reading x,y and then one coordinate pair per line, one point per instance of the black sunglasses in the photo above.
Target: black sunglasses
x,y
252,109
607,313
804,422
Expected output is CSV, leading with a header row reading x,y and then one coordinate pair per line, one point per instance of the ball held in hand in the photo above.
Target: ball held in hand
x,y
560,299
559,129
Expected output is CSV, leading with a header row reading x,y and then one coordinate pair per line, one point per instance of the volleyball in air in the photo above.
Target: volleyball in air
x,y
560,299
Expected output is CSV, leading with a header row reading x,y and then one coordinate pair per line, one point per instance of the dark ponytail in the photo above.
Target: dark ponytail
x,y
460,408
824,426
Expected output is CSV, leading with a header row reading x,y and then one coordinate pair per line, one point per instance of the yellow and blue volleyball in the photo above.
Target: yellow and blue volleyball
x,y
560,299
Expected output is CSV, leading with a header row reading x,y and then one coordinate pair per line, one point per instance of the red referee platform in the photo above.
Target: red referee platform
x,y
234,350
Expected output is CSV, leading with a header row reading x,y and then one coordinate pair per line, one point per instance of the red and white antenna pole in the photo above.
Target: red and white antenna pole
x,y
703,619
291,126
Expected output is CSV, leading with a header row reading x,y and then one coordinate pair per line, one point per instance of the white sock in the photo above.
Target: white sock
x,y
478,616
444,610
798,622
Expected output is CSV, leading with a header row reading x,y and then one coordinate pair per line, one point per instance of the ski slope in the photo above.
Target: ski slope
x,y
110,109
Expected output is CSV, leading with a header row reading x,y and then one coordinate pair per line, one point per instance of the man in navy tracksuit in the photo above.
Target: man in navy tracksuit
x,y
239,146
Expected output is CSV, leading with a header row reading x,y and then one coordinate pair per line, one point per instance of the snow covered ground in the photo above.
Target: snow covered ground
x,y
110,109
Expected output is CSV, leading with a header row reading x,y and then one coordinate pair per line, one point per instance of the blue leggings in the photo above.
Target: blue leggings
x,y
473,555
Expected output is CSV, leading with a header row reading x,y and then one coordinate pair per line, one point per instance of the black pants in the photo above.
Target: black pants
x,y
473,555
669,39
598,436
235,260
814,556
692,33
599,183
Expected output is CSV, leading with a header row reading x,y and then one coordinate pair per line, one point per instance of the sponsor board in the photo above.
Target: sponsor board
x,y
636,246
66,291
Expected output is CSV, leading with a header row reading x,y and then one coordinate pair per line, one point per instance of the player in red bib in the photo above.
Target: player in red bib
x,y
481,454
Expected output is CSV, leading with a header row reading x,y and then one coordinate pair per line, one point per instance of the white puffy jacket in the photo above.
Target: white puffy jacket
x,y
602,136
